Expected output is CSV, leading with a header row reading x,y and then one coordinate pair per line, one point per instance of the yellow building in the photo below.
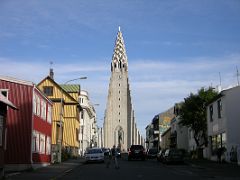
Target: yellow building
x,y
65,97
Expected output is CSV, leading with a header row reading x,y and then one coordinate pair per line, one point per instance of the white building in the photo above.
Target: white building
x,y
88,123
119,122
223,115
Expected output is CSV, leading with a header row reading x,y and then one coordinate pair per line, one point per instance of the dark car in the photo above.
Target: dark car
x,y
152,153
173,156
136,152
160,155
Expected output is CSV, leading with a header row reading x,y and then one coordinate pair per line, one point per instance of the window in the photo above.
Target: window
x,y
49,114
1,130
48,145
82,114
34,138
119,85
37,141
43,109
48,90
119,99
38,105
4,92
34,104
42,144
211,112
218,141
219,105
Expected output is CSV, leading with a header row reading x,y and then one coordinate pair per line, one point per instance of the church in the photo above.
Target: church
x,y
120,127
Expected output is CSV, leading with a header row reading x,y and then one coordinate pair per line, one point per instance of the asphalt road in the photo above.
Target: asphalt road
x,y
149,169
132,170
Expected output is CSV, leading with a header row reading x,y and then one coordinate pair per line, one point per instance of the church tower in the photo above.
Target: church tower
x,y
119,125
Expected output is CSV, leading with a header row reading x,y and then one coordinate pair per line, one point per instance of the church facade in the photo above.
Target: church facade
x,y
120,127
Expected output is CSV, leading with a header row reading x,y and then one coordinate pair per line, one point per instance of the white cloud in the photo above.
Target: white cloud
x,y
155,84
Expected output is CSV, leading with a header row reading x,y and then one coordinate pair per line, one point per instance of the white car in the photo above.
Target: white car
x,y
94,154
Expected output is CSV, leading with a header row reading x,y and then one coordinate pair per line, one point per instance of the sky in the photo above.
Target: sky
x,y
174,47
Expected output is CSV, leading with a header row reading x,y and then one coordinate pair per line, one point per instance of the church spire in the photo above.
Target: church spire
x,y
119,58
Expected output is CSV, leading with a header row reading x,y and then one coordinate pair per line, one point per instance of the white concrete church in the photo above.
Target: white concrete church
x,y
120,127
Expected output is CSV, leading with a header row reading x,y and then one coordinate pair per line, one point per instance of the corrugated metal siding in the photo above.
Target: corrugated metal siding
x,y
70,122
19,123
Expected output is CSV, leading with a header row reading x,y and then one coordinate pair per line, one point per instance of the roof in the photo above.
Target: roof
x,y
119,50
4,100
14,80
66,93
70,88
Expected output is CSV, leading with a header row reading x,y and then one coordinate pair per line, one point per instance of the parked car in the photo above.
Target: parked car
x,y
160,155
152,153
173,156
94,154
136,152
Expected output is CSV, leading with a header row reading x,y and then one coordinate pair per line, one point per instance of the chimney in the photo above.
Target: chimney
x,y
51,73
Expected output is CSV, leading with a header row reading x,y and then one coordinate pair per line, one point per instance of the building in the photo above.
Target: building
x,y
165,139
4,104
28,129
149,133
223,117
179,133
119,122
66,124
88,122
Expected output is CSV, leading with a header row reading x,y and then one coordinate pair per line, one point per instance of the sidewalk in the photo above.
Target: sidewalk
x,y
216,169
52,172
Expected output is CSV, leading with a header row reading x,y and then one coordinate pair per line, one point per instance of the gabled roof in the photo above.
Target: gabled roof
x,y
56,84
71,88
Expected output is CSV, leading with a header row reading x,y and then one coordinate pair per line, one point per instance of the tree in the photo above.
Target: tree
x,y
193,114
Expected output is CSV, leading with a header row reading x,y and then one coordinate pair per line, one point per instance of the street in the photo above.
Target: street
x,y
149,169
135,169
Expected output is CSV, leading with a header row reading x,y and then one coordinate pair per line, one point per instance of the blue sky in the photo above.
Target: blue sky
x,y
174,47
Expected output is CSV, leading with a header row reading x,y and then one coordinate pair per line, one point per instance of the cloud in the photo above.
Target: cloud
x,y
156,85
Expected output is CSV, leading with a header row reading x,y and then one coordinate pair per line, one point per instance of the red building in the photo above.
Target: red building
x,y
28,130
4,104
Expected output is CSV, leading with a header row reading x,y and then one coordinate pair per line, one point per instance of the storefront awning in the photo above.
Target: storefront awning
x,y
4,100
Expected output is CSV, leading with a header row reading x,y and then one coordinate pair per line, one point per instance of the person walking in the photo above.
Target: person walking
x,y
114,157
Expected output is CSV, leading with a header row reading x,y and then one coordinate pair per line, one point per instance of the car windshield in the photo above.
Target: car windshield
x,y
138,147
153,151
94,151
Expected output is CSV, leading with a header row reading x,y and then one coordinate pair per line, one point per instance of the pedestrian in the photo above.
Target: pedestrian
x,y
114,157
107,157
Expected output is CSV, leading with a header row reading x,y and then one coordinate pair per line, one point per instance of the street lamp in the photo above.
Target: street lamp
x,y
61,119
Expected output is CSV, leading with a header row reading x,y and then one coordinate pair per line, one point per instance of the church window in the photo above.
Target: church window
x,y
119,113
119,120
119,99
119,84
119,92
119,106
